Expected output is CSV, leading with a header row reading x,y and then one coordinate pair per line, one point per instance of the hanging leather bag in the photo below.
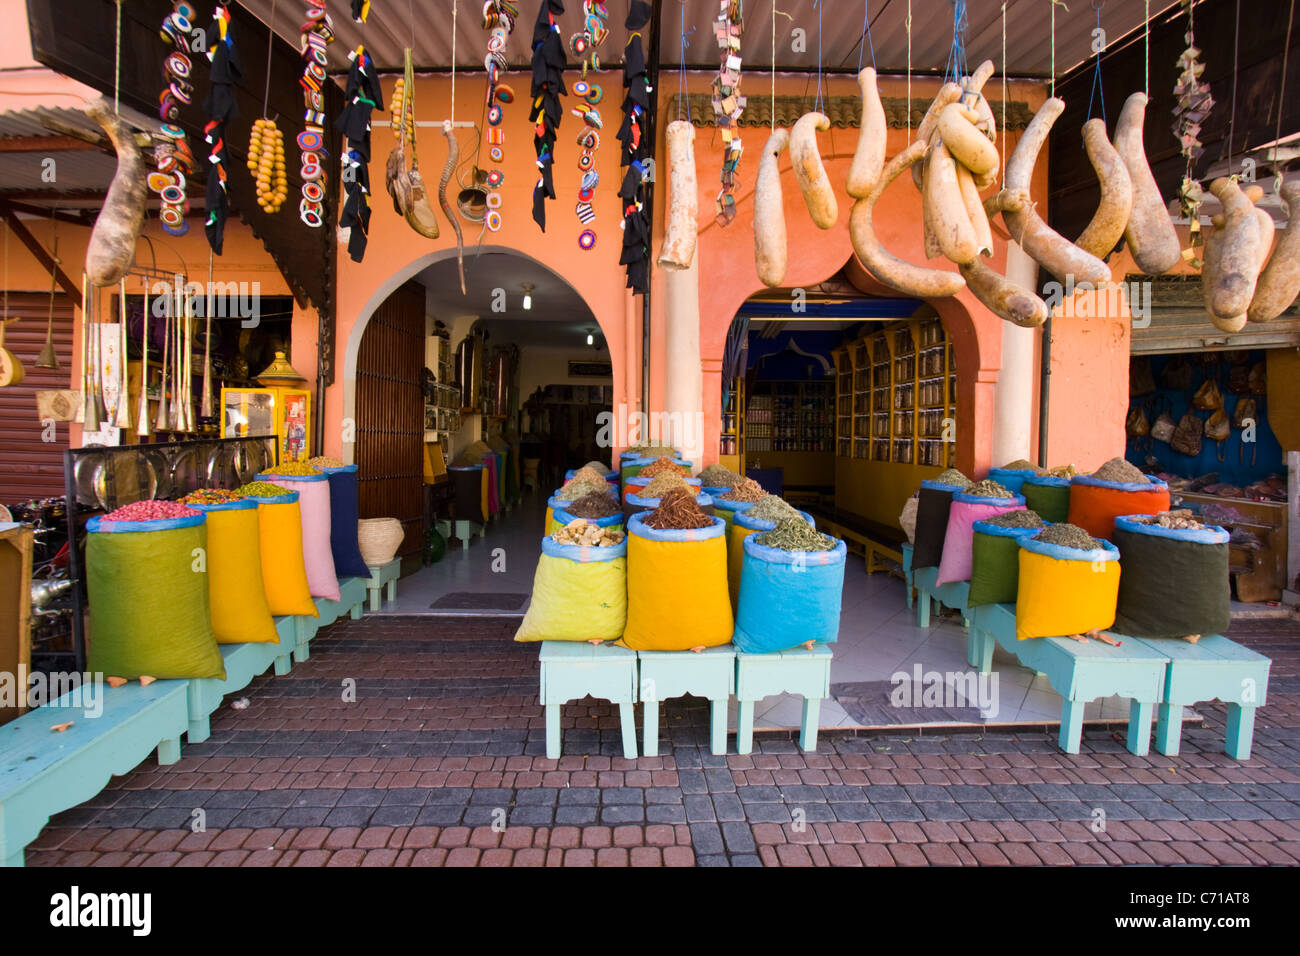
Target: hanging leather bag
x,y
1187,436
1207,397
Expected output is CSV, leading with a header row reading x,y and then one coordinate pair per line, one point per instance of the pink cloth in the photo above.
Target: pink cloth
x,y
493,465
957,542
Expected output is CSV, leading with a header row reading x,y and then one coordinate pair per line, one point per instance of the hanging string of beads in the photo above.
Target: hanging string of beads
x,y
219,106
1192,106
583,45
636,152
317,33
499,18
728,103
266,163
172,155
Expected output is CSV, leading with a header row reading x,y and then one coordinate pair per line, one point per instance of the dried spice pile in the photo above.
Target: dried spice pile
x,y
773,508
587,473
655,451
719,476
661,466
1020,464
1117,469
325,461
151,511
677,509
1061,471
662,484
582,533
262,489
747,489
599,467
581,487
1068,536
1016,519
952,476
211,496
598,505
988,488
290,468
795,534
1180,520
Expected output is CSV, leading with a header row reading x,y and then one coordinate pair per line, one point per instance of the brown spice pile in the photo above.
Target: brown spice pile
x,y
1022,518
719,476
1020,464
747,489
597,505
661,484
581,487
988,488
660,466
1061,471
1180,520
677,509
1068,536
1117,469
952,476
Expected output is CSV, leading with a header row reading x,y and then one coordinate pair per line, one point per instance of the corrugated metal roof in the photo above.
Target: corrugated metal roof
x,y
43,121
73,170
1028,41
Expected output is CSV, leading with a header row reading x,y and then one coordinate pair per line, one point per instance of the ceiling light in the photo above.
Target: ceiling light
x,y
528,295
590,339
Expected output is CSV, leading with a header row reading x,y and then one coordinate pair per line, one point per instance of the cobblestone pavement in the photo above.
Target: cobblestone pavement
x,y
446,739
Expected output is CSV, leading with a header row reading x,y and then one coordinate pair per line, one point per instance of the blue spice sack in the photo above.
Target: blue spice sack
x,y
788,598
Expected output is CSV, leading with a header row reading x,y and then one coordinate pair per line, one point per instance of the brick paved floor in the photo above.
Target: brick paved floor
x,y
445,738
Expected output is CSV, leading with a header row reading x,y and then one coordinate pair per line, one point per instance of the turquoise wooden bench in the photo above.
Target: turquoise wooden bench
x,y
799,671
907,572
386,575
666,674
572,670
43,772
955,594
1079,671
1214,668
466,530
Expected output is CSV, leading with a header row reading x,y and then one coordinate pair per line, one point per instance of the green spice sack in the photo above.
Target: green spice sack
x,y
1049,496
149,610
995,563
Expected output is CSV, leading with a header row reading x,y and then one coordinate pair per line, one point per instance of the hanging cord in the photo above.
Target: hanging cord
x,y
907,24
1097,89
1055,4
1232,116
454,5
1146,48
866,35
817,102
1004,94
956,66
681,60
270,42
117,63
1286,46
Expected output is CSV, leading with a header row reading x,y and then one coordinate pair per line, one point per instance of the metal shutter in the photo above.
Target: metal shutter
x,y
30,467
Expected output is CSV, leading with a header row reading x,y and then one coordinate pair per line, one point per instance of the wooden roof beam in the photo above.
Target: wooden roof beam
x,y
36,249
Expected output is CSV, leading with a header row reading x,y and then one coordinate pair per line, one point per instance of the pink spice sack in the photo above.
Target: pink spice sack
x,y
957,542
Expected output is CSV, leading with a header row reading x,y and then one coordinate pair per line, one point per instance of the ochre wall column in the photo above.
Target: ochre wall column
x,y
1014,394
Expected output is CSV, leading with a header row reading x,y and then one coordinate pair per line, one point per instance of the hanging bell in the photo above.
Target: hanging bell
x,y
47,358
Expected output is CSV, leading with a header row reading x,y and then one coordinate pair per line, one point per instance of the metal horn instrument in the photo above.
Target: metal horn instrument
x,y
160,422
48,358
91,408
205,403
175,413
188,374
142,412
122,419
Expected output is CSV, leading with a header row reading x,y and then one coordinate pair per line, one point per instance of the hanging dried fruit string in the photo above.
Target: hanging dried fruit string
x,y
499,18
584,46
317,34
363,95
729,103
220,108
546,90
1193,105
635,152
172,153
266,146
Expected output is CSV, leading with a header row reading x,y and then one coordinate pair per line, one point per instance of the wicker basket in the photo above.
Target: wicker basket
x,y
379,539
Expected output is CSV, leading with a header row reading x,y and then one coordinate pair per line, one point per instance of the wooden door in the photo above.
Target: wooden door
x,y
390,415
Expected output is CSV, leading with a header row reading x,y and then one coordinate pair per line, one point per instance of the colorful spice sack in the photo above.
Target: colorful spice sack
x,y
742,526
579,594
279,535
933,505
788,598
676,587
344,511
318,558
1175,581
959,536
995,559
240,614
1049,495
148,586
1063,590
1116,488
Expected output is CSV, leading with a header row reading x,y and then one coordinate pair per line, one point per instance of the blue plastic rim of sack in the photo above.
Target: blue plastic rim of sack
x,y
940,486
716,491
788,598
983,500
273,477
641,482
1001,531
1050,481
1107,551
101,526
728,509
583,554
636,501
609,521
288,498
1011,479
611,477
240,505
636,525
756,524
1150,484
1136,524
337,469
